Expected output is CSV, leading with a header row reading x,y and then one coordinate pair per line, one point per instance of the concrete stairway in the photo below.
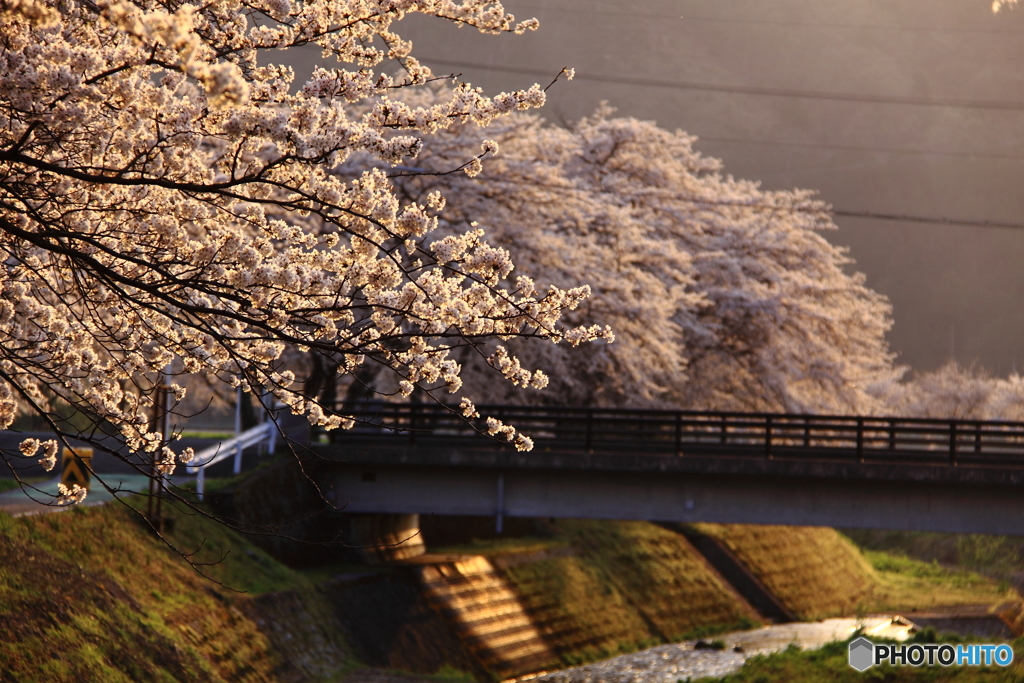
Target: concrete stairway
x,y
487,616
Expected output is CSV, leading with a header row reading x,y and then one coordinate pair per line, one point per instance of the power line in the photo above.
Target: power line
x,y
771,22
831,211
907,218
808,145
854,148
824,209
753,90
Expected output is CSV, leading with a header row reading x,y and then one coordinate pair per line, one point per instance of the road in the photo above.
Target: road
x,y
38,498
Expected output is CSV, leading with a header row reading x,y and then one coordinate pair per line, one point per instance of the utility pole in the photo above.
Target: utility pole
x,y
238,429
161,422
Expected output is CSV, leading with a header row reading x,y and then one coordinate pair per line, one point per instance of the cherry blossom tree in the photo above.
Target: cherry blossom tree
x,y
953,391
159,173
722,295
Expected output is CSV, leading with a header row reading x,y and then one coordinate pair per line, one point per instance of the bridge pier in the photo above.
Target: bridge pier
x,y
384,537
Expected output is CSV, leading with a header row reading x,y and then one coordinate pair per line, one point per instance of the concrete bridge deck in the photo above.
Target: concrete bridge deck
x,y
887,473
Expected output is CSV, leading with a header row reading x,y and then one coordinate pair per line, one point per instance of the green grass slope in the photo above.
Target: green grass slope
x,y
813,571
817,572
92,595
999,557
596,588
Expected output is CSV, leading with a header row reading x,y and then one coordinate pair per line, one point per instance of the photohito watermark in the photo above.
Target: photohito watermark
x,y
865,654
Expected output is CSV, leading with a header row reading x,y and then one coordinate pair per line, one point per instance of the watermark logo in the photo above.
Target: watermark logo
x,y
864,654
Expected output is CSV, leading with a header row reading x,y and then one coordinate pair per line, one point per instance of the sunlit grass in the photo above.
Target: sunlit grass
x,y
907,584
92,594
999,557
501,546
817,572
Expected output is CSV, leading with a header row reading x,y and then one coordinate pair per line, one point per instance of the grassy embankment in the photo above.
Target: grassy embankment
x,y
595,589
998,557
817,572
599,588
91,595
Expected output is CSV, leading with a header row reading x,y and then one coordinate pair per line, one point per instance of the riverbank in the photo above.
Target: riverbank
x,y
795,653
726,654
92,594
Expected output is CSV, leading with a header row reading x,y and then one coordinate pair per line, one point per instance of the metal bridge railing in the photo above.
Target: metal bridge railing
x,y
680,433
232,447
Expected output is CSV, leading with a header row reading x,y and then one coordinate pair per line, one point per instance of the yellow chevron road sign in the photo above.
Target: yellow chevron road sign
x,y
75,463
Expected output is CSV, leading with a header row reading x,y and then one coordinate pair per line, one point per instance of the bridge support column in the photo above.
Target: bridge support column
x,y
500,518
379,538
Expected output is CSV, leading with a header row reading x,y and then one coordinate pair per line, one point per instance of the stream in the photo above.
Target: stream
x,y
679,661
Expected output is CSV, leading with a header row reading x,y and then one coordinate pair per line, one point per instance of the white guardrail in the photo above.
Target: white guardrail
x,y
232,447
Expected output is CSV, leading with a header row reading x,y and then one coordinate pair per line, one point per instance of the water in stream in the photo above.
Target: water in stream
x,y
679,661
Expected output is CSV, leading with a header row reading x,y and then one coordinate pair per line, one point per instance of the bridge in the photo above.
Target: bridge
x,y
964,476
